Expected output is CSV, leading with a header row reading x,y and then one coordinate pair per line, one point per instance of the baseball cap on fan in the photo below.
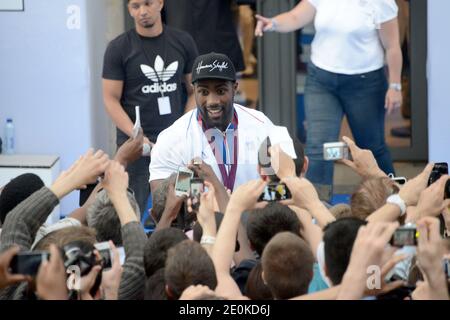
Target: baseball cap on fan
x,y
213,66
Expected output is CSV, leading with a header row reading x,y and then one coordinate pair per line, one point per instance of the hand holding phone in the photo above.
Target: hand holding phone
x,y
275,191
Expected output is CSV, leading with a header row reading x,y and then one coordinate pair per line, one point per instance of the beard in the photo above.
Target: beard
x,y
217,116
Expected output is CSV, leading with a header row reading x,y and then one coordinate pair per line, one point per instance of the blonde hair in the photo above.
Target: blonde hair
x,y
371,195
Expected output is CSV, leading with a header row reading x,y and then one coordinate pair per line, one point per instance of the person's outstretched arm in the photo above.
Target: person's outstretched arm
x,y
132,284
302,15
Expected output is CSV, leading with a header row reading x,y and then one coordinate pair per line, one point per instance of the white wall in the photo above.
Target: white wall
x,y
50,77
439,80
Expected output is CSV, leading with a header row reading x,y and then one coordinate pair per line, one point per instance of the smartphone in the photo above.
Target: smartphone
x,y
197,188
104,249
333,151
183,182
405,236
275,192
28,263
439,170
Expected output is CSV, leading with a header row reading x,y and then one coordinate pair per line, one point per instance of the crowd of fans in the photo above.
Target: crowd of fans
x,y
235,248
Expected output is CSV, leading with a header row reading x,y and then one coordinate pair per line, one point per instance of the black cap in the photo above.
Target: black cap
x,y
213,66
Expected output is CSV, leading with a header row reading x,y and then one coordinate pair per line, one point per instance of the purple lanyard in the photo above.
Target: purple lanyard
x,y
228,177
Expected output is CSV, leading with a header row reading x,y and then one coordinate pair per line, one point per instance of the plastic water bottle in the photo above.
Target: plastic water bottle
x,y
9,137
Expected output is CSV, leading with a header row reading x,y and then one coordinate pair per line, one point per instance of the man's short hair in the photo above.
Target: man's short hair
x,y
287,263
255,288
263,224
338,239
160,197
17,190
102,216
157,246
64,236
155,286
188,264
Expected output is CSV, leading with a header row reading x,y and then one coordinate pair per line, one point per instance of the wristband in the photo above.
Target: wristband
x,y
399,202
208,240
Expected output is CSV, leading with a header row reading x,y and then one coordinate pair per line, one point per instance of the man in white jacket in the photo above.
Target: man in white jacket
x,y
225,135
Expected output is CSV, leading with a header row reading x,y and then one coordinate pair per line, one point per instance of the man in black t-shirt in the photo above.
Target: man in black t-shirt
x,y
147,67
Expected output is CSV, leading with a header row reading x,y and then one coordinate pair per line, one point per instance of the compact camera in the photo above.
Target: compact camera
x,y
405,236
333,151
28,263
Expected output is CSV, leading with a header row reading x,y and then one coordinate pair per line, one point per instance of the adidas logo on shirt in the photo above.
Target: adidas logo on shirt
x,y
159,75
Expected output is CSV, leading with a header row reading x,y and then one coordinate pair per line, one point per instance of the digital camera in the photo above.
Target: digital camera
x,y
335,151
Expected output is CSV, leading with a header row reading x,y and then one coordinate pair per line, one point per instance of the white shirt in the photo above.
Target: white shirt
x,y
347,37
185,140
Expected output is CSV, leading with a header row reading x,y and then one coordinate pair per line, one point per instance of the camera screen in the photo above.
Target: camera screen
x,y
275,192
196,189
334,153
405,237
183,181
106,258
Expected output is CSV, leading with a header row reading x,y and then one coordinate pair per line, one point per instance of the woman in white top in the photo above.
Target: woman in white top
x,y
353,40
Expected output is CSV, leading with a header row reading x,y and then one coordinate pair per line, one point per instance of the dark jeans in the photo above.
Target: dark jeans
x,y
138,181
328,96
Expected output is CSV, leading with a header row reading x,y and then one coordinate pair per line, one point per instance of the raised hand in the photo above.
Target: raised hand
x,y
430,252
84,171
6,278
410,192
131,150
364,163
51,278
246,196
367,251
111,278
431,201
116,180
263,24
281,162
206,215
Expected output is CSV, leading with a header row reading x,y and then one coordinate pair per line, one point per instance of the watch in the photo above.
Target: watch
x,y
395,86
399,202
